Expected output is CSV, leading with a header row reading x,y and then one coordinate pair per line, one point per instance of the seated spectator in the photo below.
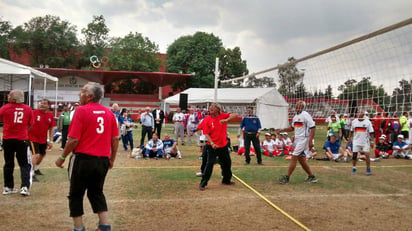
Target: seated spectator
x,y
269,146
382,149
288,143
348,150
154,148
170,148
400,148
333,148
241,150
282,146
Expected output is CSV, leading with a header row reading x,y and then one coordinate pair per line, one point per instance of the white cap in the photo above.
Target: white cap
x,y
400,136
267,134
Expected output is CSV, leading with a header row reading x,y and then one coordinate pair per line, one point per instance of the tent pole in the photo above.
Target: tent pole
x,y
55,102
30,83
216,78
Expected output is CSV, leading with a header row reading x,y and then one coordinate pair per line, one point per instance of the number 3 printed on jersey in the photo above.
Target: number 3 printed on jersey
x,y
18,117
100,129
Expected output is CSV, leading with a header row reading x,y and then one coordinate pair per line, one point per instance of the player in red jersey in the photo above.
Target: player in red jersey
x,y
17,118
43,126
93,139
215,129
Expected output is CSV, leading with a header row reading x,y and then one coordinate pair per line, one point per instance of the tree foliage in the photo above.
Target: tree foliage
x,y
194,54
96,39
401,99
364,89
49,41
231,64
289,78
5,31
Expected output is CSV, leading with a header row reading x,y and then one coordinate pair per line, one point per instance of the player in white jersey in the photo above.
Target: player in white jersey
x,y
362,135
304,127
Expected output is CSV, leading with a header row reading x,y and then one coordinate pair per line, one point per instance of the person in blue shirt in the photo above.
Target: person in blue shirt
x,y
170,148
126,125
251,126
333,148
400,148
154,148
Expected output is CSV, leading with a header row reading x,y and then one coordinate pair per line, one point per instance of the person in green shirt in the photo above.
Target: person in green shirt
x,y
63,125
403,121
335,128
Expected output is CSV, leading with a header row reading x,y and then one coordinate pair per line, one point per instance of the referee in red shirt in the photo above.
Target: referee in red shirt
x,y
215,129
93,139
17,118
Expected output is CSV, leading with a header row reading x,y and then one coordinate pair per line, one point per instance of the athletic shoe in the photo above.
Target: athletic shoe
x,y
7,190
199,174
311,179
34,179
260,163
179,155
368,172
354,170
230,183
37,172
24,191
202,187
284,179
157,157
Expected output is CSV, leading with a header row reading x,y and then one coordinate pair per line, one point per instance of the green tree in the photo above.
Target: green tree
x,y
401,99
49,40
289,77
96,39
328,92
364,89
134,53
231,64
5,31
194,54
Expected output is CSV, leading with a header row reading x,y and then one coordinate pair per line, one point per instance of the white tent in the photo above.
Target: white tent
x,y
269,104
17,76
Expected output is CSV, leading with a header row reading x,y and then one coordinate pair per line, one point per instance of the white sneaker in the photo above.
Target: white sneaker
x,y
7,190
199,174
179,155
24,191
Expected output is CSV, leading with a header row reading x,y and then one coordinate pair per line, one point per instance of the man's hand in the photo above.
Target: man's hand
x,y
59,162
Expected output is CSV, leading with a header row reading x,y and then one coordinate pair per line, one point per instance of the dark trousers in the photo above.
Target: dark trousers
x,y
225,164
146,130
87,173
21,149
158,129
127,139
252,137
65,132
205,151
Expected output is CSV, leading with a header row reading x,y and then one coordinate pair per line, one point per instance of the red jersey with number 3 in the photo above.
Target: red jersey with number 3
x,y
42,123
94,126
216,130
17,118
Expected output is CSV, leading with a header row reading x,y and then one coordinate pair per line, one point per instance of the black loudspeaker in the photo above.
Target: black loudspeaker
x,y
183,101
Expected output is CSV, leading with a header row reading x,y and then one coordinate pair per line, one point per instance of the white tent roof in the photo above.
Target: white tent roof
x,y
15,75
226,95
271,107
8,67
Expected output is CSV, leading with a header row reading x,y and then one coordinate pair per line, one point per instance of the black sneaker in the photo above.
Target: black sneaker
x,y
260,163
202,187
311,179
284,179
37,172
34,179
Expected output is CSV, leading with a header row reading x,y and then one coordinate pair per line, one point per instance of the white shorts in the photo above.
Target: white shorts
x,y
361,148
335,156
302,146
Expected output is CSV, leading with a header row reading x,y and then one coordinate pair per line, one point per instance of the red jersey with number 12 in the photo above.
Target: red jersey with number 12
x,y
17,118
94,126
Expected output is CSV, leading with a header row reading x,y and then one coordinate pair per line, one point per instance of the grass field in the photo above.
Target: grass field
x,y
164,195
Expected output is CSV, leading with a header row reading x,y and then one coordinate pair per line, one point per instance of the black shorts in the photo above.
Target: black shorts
x,y
38,148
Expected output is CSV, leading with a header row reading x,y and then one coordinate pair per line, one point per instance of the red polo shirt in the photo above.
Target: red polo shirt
x,y
216,130
17,118
94,126
42,123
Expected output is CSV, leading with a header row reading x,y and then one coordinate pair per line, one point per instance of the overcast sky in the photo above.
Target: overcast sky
x,y
267,31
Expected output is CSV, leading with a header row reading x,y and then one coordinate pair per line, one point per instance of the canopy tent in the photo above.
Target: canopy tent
x,y
17,76
269,104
